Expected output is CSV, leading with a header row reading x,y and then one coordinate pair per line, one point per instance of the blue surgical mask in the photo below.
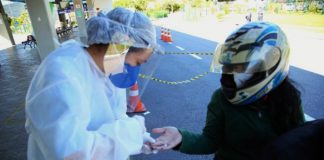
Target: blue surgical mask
x,y
127,78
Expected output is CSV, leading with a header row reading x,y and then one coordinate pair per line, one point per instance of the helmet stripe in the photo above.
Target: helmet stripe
x,y
269,30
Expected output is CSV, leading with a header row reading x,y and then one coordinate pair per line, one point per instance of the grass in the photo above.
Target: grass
x,y
314,22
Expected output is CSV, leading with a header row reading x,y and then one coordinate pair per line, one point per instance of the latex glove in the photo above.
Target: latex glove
x,y
146,149
141,121
148,140
169,138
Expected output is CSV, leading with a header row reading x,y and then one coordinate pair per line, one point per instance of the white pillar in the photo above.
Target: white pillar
x,y
91,9
79,13
5,30
43,26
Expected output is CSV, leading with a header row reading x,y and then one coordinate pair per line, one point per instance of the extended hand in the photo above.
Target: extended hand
x,y
169,138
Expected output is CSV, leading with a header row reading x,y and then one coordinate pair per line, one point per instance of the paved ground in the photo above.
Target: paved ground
x,y
183,105
17,68
4,43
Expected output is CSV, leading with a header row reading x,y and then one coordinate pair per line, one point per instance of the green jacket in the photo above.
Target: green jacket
x,y
231,132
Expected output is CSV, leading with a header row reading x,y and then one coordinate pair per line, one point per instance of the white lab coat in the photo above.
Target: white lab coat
x,y
74,112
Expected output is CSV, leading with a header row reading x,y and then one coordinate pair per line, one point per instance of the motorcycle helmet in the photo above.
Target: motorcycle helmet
x,y
253,61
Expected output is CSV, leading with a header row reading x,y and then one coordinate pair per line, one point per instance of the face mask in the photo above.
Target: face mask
x,y
114,59
228,85
241,78
127,78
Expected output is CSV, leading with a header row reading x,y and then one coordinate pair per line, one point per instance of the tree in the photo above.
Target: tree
x,y
171,5
140,5
123,3
225,0
197,3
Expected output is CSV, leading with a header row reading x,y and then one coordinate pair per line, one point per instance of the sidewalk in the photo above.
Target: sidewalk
x,y
19,38
18,66
16,71
4,43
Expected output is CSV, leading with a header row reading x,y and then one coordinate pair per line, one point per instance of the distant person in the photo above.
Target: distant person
x,y
260,16
248,17
256,103
260,9
76,102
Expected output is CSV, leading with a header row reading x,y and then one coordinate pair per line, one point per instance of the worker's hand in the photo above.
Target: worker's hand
x,y
169,138
141,121
148,140
147,149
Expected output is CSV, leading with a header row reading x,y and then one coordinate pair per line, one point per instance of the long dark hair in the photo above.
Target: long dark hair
x,y
285,106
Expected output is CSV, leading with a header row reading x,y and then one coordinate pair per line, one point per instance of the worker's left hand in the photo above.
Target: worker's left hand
x,y
148,140
147,149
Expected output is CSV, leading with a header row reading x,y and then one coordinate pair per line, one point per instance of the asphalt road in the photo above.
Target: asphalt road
x,y
184,105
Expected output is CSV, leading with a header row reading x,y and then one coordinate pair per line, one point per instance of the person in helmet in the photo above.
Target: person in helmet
x,y
76,102
256,103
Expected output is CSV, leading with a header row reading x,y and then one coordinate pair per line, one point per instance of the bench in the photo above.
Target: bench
x,y
31,41
62,32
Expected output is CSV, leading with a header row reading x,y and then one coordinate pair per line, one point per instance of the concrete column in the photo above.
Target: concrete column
x,y
5,30
43,26
104,5
78,9
91,9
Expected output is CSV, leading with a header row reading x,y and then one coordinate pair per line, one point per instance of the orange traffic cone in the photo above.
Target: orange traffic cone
x,y
162,33
168,36
134,103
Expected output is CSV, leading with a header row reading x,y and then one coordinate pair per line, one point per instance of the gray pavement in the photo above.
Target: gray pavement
x,y
17,67
16,71
183,105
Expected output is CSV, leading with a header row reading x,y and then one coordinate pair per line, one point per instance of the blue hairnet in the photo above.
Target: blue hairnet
x,y
97,30
122,26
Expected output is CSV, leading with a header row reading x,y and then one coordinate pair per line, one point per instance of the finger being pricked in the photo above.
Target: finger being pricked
x,y
161,146
158,143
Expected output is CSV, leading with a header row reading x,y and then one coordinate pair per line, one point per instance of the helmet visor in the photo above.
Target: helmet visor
x,y
250,59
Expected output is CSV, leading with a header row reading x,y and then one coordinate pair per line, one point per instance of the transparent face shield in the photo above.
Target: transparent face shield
x,y
122,29
114,59
137,96
228,60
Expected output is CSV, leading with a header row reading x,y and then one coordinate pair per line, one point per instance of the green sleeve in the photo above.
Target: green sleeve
x,y
208,141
